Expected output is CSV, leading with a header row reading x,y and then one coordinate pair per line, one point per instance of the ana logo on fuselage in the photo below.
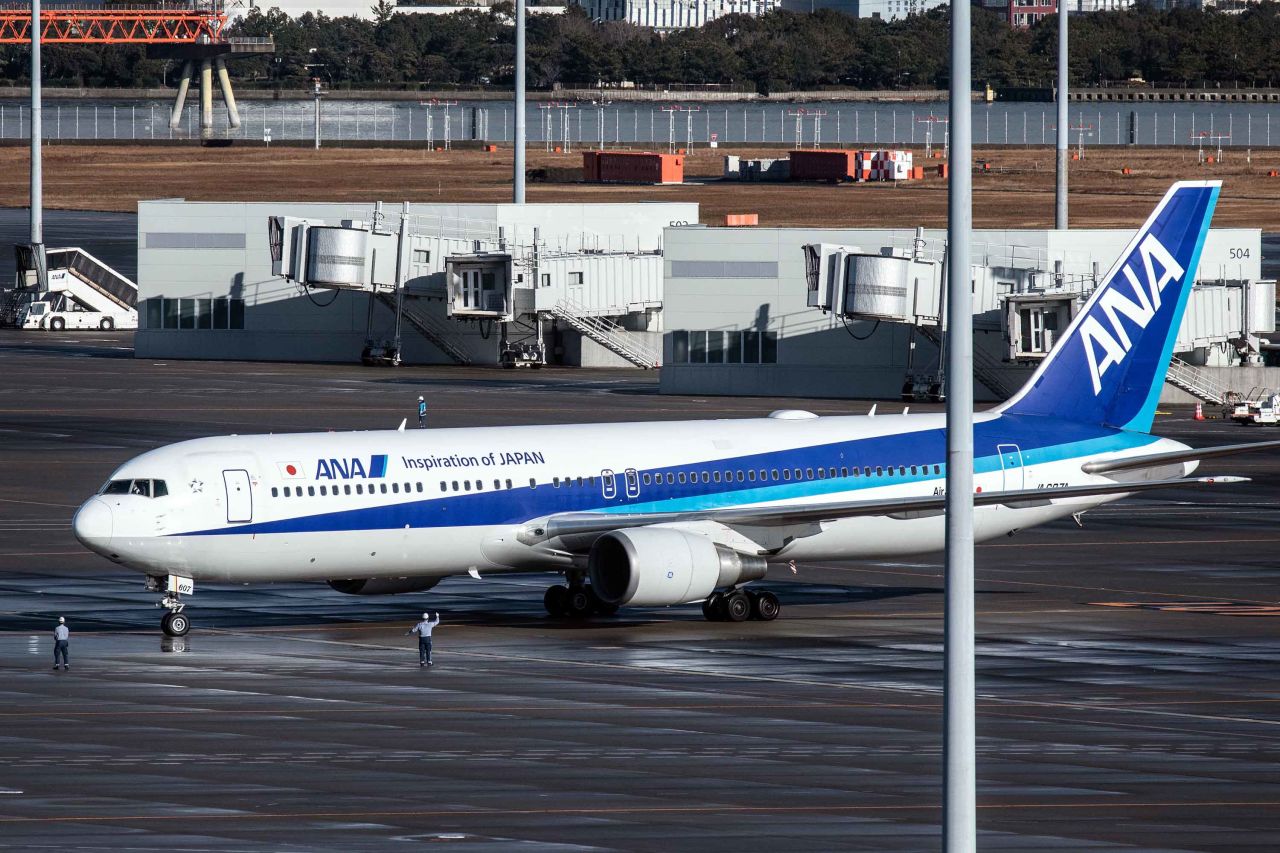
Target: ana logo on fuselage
x,y
351,468
1114,343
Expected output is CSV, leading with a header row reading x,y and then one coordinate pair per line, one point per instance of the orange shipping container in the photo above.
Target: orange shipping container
x,y
824,164
627,167
742,219
942,170
590,166
917,173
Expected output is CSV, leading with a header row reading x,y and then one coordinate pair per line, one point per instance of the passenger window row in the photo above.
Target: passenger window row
x,y
156,488
765,475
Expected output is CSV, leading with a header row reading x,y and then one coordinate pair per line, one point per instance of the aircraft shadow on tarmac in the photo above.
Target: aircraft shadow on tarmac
x,y
104,607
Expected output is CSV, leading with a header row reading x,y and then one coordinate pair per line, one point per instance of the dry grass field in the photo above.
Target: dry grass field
x,y
1017,192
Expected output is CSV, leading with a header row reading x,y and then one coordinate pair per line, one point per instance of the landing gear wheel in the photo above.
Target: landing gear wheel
x,y
556,600
107,324
737,606
713,607
579,602
175,624
765,606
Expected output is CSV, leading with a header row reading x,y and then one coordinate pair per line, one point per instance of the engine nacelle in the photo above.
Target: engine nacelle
x,y
657,566
382,586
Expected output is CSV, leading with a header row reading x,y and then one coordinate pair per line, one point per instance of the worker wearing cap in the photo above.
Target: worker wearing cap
x,y
423,630
61,642
422,412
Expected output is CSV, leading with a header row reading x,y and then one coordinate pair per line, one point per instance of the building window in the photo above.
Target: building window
x,y
422,256
575,278
197,314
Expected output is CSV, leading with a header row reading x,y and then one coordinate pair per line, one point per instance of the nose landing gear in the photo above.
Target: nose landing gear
x,y
175,623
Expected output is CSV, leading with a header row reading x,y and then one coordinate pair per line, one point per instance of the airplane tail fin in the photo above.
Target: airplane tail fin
x,y
1110,363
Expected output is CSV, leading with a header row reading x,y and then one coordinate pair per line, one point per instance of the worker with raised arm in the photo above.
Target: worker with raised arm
x,y
423,629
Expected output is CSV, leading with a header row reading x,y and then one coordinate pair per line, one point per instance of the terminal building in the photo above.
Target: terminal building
x,y
579,283
753,311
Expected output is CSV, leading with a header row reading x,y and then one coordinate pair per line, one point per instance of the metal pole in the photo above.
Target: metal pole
x,y
37,165
517,178
1060,208
317,129
959,806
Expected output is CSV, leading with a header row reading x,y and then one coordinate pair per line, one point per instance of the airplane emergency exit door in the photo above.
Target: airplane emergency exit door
x,y
239,496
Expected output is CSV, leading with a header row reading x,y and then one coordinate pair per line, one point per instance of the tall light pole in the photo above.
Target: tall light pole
x,y
959,800
1060,196
37,165
517,178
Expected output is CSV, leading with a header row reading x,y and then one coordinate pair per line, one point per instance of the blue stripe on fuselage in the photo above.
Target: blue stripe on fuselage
x,y
1041,440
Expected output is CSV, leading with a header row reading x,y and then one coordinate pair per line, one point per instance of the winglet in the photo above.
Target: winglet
x,y
402,425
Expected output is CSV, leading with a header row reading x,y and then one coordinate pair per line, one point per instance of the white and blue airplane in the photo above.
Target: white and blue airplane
x,y
652,514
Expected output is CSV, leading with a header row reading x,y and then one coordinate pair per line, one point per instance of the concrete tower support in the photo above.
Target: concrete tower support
x,y
228,97
206,98
180,100
210,58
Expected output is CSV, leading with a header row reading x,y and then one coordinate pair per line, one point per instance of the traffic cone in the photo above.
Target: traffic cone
x,y
1199,411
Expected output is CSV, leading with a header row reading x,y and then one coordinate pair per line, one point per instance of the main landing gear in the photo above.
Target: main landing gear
x,y
576,601
739,605
175,623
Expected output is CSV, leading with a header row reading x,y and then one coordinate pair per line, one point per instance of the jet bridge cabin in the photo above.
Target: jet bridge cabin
x,y
480,286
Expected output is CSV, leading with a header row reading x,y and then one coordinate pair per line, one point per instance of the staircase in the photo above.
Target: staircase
x,y
94,273
442,334
986,368
608,334
1197,383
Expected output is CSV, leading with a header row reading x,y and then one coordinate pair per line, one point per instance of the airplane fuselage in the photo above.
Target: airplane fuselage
x,y
432,503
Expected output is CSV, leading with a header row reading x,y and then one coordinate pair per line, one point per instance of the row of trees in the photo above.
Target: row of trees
x,y
778,51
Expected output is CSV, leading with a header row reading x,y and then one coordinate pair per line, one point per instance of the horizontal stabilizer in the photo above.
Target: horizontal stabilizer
x,y
1152,460
580,524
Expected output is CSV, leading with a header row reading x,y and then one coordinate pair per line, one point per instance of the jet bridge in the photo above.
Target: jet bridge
x,y
437,283
1029,305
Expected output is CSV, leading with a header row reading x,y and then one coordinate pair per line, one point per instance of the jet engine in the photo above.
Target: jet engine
x,y
382,586
656,566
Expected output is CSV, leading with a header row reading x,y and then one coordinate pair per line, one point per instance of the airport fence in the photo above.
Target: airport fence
x,y
571,126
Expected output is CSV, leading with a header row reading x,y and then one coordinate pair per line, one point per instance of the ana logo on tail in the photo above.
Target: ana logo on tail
x,y
1115,344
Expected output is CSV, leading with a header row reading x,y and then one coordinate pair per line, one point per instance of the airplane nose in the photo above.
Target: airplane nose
x,y
93,524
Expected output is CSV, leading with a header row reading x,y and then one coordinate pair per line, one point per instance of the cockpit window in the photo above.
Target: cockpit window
x,y
141,488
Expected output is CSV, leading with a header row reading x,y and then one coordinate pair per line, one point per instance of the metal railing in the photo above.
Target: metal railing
x,y
440,333
608,334
1198,383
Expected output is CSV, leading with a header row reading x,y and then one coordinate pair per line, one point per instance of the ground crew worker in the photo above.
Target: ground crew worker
x,y
61,642
422,413
423,630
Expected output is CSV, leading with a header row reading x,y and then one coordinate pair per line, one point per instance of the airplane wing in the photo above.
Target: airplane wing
x,y
1151,460
579,524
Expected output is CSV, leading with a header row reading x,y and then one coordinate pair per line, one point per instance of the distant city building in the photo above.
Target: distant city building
x,y
1024,13
364,9
881,10
672,14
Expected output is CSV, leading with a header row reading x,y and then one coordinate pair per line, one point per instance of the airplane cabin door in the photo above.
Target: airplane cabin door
x,y
608,484
632,480
1015,475
239,496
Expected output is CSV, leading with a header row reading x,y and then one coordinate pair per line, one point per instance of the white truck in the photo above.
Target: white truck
x,y
83,293
1259,407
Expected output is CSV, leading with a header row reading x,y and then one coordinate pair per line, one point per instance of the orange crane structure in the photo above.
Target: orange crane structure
x,y
191,32
155,23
